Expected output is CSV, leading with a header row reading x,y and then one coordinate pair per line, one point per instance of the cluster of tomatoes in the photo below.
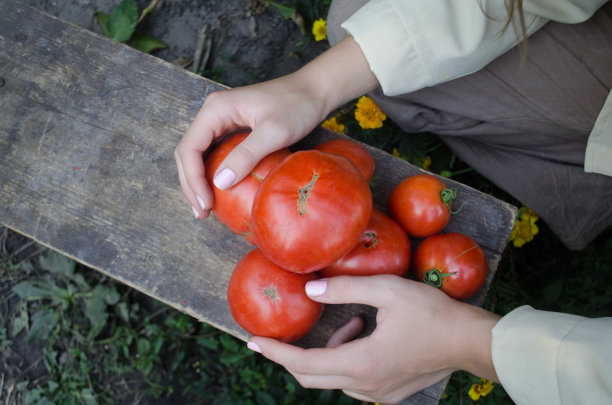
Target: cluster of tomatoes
x,y
310,214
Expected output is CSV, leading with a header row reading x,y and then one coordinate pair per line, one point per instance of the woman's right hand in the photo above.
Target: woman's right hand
x,y
278,112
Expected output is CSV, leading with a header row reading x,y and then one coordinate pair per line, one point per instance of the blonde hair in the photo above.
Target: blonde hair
x,y
516,18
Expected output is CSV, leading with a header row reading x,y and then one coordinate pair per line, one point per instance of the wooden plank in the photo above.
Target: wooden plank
x,y
87,131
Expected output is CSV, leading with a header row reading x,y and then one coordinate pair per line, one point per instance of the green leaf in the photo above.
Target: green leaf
x,y
21,321
57,263
104,22
146,43
209,342
52,385
32,396
43,322
144,347
88,397
28,290
286,11
263,398
553,291
229,343
122,23
122,310
111,295
95,309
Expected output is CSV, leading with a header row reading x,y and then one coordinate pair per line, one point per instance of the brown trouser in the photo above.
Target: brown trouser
x,y
525,129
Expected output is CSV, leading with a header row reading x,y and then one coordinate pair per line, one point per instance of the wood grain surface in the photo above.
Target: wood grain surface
x,y
87,132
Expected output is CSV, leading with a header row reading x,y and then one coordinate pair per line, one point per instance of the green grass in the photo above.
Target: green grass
x,y
97,342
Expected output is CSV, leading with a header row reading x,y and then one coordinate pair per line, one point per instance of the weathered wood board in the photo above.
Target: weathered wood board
x,y
87,131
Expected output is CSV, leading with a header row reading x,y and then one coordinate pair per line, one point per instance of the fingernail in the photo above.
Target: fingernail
x,y
253,347
195,212
316,287
201,202
224,179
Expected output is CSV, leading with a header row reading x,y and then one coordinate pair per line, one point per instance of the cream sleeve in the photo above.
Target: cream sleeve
x,y
415,44
553,358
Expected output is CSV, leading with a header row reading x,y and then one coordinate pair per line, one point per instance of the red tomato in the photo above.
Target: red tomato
x,y
269,301
232,206
310,211
353,151
452,262
384,248
421,205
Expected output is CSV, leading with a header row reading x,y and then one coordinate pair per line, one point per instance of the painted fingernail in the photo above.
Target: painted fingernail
x,y
224,179
195,212
316,287
201,202
254,347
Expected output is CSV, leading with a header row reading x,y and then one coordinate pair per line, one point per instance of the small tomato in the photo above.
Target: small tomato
x,y
421,205
452,262
384,248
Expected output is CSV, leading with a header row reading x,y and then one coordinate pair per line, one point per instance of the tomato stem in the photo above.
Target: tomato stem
x,y
434,277
304,193
448,195
368,240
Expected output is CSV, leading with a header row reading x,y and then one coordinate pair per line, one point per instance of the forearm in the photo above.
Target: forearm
x,y
338,75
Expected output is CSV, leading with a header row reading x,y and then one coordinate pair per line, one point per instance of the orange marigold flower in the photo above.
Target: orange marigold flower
x,y
319,29
333,125
368,114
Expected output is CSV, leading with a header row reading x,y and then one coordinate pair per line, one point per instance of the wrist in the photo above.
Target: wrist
x,y
338,75
472,353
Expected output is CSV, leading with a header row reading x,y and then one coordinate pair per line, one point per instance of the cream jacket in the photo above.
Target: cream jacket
x,y
552,358
441,40
540,357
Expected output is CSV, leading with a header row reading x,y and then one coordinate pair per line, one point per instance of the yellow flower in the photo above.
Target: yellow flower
x,y
480,390
425,163
319,29
368,115
525,227
333,125
396,153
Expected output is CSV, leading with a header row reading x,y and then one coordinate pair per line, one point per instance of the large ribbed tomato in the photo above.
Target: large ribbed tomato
x,y
269,301
353,151
452,262
310,210
232,206
384,248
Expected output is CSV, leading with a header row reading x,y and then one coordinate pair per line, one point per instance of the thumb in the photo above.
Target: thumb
x,y
245,156
377,291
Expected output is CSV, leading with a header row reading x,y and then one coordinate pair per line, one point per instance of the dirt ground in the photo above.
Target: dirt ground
x,y
250,41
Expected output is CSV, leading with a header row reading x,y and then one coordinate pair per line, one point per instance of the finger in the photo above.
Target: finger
x,y
358,396
263,140
378,291
210,123
347,332
336,361
202,201
197,206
